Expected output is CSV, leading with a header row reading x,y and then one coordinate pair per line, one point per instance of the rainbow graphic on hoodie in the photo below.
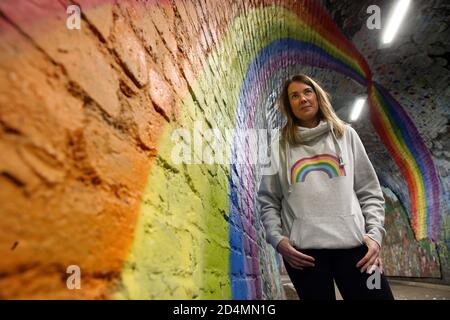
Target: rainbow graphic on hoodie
x,y
322,162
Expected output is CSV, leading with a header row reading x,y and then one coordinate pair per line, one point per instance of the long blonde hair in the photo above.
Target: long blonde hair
x,y
325,112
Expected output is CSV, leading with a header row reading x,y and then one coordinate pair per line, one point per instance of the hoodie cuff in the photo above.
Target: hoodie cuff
x,y
376,236
274,240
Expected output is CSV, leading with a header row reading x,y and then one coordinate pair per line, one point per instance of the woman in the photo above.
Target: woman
x,y
322,206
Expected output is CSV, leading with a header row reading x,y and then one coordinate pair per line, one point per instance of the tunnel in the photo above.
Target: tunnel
x,y
133,135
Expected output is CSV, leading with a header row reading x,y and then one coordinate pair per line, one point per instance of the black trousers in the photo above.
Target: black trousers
x,y
316,283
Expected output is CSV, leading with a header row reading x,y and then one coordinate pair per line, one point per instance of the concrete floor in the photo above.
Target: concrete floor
x,y
402,290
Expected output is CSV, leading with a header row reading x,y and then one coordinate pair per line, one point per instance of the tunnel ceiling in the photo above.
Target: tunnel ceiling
x,y
414,68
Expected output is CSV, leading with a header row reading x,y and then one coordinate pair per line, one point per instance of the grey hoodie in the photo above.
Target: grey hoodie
x,y
322,194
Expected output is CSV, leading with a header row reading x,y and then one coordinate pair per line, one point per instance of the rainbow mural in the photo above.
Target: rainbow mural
x,y
310,37
327,163
214,250
304,34
284,36
324,46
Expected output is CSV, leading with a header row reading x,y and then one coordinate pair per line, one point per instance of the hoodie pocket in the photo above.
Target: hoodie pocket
x,y
331,232
321,197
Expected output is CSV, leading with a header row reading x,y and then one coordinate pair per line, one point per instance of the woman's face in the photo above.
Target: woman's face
x,y
303,101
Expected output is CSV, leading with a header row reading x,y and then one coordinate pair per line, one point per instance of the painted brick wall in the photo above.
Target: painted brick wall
x,y
87,180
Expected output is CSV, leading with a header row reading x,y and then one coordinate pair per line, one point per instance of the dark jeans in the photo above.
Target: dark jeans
x,y
316,283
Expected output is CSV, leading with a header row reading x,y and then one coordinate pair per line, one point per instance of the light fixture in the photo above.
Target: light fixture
x,y
357,107
395,20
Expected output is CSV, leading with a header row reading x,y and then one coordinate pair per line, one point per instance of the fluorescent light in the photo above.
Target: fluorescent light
x,y
357,107
395,20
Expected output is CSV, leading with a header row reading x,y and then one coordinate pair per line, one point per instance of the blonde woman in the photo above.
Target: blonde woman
x,y
322,208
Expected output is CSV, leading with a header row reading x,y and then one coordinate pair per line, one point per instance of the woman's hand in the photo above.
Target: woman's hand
x,y
295,258
372,257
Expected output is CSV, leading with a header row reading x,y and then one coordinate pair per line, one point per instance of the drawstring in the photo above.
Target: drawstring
x,y
339,150
288,164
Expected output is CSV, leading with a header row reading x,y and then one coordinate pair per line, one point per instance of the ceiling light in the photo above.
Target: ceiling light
x,y
357,107
395,20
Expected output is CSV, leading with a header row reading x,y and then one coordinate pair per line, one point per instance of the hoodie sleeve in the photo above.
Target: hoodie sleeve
x,y
368,190
269,201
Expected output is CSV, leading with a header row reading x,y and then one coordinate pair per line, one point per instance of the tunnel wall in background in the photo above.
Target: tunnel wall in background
x,y
414,68
90,120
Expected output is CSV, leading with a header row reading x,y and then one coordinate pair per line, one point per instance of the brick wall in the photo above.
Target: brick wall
x,y
86,121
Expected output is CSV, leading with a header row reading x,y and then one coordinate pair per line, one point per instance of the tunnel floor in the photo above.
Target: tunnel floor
x,y
402,290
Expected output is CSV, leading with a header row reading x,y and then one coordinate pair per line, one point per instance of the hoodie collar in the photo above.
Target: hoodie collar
x,y
308,134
